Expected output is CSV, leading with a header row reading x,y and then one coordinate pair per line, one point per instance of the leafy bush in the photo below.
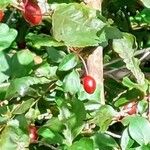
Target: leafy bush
x,y
47,98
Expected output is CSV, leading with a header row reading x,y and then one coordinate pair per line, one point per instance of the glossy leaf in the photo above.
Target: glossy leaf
x,y
42,40
104,117
68,62
55,55
22,63
138,127
125,47
77,21
23,107
84,144
4,3
13,138
126,141
20,86
72,82
146,3
7,36
50,136
103,141
128,96
47,71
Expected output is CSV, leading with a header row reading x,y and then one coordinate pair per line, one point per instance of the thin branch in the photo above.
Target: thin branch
x,y
114,70
113,134
47,145
83,62
145,56
10,17
146,50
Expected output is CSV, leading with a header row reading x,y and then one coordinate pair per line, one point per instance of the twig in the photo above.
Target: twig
x,y
84,64
145,55
48,145
113,134
146,50
116,69
10,17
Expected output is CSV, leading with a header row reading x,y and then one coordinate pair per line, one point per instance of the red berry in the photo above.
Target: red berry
x,y
1,15
131,108
33,133
89,84
32,13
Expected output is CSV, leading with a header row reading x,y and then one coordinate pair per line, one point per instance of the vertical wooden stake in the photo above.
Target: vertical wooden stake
x,y
95,60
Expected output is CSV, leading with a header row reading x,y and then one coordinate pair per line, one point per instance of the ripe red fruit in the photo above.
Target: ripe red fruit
x,y
1,15
33,133
131,108
89,84
32,13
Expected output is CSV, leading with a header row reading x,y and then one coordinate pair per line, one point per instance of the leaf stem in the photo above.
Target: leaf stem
x,y
84,64
83,61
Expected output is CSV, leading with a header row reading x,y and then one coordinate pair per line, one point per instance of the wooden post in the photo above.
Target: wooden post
x,y
95,60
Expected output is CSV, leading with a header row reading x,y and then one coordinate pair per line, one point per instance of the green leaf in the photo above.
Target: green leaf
x,y
83,95
78,27
55,55
142,106
45,70
13,138
68,62
4,62
92,105
126,141
50,136
146,3
7,36
104,142
128,96
24,106
32,114
20,86
42,40
128,83
4,3
72,82
138,129
3,77
83,144
52,124
125,47
113,32
3,120
143,16
73,119
22,63
79,113
143,147
113,89
104,117
3,89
